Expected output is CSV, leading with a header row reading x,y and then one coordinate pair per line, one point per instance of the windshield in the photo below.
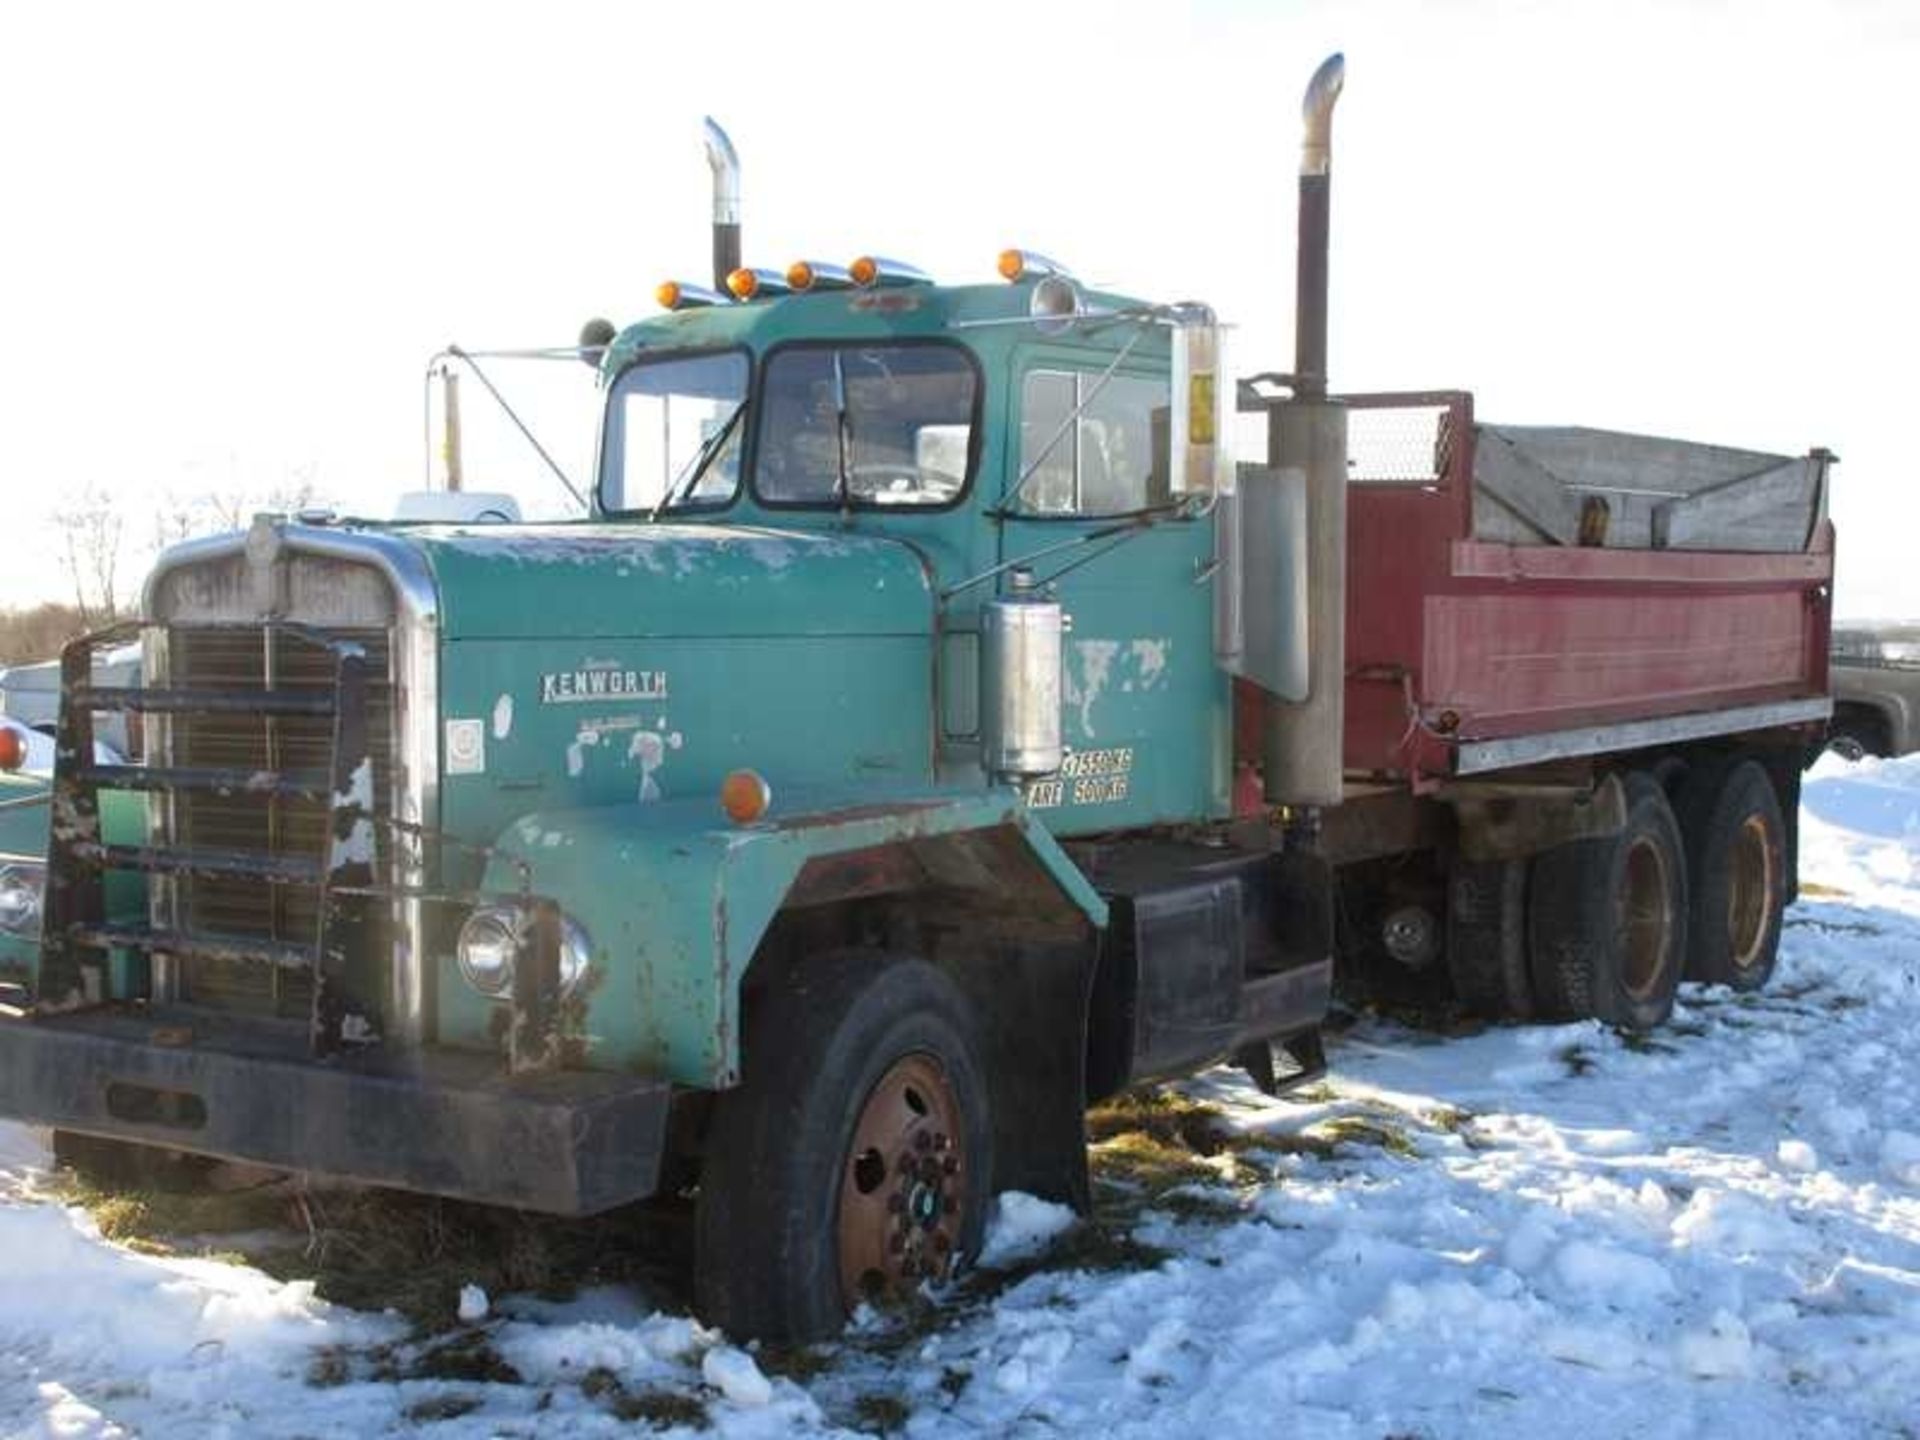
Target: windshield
x,y
673,433
888,424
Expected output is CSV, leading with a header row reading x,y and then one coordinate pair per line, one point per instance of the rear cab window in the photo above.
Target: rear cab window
x,y
1110,459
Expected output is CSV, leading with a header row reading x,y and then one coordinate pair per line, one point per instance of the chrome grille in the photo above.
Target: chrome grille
x,y
232,658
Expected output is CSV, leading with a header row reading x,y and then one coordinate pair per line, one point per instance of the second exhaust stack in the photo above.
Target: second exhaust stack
x,y
726,204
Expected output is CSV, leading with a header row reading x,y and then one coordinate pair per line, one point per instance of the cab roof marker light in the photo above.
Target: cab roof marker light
x,y
1017,265
871,272
804,275
747,283
679,295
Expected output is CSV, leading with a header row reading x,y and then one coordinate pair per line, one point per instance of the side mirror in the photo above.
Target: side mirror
x,y
1201,452
595,336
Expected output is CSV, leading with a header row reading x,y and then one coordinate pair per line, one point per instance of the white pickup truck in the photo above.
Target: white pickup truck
x,y
1876,691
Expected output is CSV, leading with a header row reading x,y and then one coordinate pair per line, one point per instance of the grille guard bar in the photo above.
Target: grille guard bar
x,y
78,938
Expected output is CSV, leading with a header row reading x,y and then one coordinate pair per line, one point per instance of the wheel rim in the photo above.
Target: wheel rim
x,y
1750,891
902,1202
1645,924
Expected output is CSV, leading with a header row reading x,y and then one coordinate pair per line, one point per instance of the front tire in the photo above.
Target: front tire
x,y
1736,866
852,1162
1607,919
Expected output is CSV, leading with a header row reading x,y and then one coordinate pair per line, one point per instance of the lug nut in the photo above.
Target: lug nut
x,y
941,1142
922,1141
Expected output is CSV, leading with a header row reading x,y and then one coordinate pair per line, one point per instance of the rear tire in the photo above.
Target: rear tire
x,y
852,1162
1487,938
1736,867
1607,919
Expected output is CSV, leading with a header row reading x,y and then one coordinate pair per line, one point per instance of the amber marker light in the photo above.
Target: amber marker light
x,y
800,275
668,295
745,796
1016,265
13,749
865,270
743,284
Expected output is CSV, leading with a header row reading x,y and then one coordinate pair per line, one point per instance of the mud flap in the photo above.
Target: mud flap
x,y
1032,1002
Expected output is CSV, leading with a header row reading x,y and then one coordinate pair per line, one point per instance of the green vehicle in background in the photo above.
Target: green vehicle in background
x,y
23,855
928,731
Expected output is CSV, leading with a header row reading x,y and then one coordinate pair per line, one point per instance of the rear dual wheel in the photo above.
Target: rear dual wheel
x,y
1736,860
1607,919
851,1164
1487,938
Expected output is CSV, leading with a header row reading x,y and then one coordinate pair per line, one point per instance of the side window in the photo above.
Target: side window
x,y
1110,460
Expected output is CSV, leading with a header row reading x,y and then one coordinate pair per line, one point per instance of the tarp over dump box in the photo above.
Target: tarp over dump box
x,y
1517,594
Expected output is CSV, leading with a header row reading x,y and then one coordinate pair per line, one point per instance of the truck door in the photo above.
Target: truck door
x,y
1146,707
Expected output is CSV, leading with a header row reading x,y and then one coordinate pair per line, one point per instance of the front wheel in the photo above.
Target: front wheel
x,y
851,1164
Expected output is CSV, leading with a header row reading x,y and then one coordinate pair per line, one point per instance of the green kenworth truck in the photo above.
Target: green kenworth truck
x,y
929,730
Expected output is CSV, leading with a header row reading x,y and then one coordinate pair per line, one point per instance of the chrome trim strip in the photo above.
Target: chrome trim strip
x,y
1479,756
416,658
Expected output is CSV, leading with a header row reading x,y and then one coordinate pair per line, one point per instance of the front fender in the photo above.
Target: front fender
x,y
675,900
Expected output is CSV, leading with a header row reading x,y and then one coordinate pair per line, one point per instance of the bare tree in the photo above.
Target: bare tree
x,y
91,531
235,509
180,517
94,537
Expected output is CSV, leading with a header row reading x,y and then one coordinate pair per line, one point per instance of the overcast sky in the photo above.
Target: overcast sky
x,y
233,235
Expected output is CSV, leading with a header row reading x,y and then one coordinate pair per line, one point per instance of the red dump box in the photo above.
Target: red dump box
x,y
1518,595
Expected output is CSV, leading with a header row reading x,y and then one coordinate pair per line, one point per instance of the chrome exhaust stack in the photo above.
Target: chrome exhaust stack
x,y
1316,196
725,164
1305,739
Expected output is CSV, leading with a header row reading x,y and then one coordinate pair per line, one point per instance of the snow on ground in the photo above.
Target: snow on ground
x,y
1712,1231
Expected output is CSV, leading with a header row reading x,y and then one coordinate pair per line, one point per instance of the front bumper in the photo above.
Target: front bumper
x,y
443,1123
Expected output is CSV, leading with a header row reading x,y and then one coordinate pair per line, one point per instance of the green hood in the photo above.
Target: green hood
x,y
582,580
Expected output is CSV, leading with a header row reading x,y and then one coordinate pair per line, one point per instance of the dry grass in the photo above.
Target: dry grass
x,y
379,1249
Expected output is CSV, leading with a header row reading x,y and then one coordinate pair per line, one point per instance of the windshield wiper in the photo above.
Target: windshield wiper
x,y
843,440
696,466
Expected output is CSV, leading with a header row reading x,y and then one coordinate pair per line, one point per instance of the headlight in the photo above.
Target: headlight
x,y
21,889
576,954
490,941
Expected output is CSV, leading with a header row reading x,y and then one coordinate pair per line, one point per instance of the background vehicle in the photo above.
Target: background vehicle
x,y
930,730
1876,692
30,694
